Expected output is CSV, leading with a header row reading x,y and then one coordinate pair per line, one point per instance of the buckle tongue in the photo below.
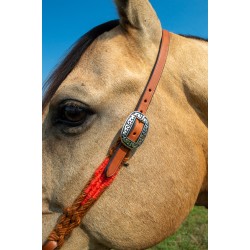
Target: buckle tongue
x,y
128,127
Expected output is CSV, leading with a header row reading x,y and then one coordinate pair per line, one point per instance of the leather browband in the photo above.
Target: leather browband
x,y
142,106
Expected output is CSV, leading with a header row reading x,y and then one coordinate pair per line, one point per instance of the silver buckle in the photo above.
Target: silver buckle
x,y
128,126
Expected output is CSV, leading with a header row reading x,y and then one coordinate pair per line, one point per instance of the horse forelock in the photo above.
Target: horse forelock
x,y
71,59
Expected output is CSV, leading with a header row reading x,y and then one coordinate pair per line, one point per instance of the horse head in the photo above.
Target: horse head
x,y
90,96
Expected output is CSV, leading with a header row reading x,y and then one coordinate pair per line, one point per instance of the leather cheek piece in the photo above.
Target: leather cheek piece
x,y
116,160
142,105
121,152
136,131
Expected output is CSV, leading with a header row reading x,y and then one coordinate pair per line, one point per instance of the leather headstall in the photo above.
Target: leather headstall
x,y
136,126
132,136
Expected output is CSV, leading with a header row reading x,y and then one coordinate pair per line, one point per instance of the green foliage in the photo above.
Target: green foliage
x,y
192,235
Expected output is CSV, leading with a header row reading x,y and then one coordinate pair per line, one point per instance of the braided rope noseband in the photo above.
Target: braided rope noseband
x,y
117,156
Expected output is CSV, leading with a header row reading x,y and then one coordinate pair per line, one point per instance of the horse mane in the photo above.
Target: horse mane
x,y
195,37
71,59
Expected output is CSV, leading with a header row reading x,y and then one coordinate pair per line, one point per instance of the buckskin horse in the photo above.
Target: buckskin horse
x,y
146,197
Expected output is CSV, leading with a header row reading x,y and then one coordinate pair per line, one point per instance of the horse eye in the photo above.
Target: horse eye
x,y
72,113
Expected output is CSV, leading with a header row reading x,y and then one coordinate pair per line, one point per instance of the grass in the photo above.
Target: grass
x,y
192,235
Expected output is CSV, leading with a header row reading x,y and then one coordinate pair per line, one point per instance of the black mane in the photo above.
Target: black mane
x,y
69,62
195,37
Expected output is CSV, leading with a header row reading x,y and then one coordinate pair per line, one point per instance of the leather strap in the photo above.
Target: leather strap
x,y
143,104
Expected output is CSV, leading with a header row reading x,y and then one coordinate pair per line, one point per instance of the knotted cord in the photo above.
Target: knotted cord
x,y
73,215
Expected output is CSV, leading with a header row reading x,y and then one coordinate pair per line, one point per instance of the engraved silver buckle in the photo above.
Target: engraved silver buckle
x,y
128,126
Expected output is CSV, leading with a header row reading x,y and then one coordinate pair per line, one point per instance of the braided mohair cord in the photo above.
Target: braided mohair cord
x,y
73,215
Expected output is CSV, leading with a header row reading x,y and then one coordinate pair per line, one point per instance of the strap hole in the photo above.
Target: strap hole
x,y
145,100
134,133
141,111
150,90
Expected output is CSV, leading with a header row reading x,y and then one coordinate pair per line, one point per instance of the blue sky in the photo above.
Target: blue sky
x,y
65,21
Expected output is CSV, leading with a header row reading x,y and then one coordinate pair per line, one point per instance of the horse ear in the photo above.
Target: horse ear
x,y
139,16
